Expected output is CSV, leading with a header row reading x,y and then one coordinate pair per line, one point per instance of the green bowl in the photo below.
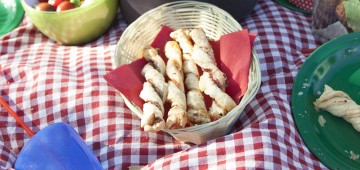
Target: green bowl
x,y
76,26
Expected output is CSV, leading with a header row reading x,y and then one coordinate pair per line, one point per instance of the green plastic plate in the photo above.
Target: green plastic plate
x,y
337,64
11,13
291,6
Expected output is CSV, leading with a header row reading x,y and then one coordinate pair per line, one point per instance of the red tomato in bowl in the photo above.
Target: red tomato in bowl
x,y
56,3
44,6
66,5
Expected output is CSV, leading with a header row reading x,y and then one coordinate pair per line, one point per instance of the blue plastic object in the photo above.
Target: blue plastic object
x,y
57,146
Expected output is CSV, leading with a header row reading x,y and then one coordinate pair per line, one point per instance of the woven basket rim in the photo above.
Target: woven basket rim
x,y
175,3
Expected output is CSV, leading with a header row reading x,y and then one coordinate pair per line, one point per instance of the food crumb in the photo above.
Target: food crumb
x,y
318,92
350,50
305,85
354,156
300,93
321,120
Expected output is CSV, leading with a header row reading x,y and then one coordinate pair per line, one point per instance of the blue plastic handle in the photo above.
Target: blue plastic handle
x,y
57,146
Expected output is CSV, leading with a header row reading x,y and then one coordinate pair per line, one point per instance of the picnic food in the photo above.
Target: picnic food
x,y
233,51
154,91
196,109
176,96
179,83
57,5
213,80
222,102
66,5
339,104
43,6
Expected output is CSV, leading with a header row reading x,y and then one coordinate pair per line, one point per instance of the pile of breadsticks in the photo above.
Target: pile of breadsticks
x,y
180,84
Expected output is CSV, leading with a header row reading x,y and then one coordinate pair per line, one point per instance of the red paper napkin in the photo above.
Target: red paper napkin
x,y
235,57
232,51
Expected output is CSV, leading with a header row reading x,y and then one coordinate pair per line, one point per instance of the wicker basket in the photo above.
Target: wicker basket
x,y
186,14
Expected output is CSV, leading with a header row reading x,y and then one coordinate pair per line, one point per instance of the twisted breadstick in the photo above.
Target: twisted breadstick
x,y
203,56
150,54
201,41
182,37
339,104
154,91
223,103
196,109
176,96
213,80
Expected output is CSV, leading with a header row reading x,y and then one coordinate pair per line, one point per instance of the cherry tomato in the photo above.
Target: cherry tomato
x,y
43,6
56,3
66,5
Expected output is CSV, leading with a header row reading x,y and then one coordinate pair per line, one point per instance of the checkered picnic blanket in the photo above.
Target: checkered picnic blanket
x,y
47,83
307,5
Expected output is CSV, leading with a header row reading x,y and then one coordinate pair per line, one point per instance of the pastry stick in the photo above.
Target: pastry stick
x,y
150,54
196,109
213,80
339,104
199,37
176,93
222,103
203,56
154,91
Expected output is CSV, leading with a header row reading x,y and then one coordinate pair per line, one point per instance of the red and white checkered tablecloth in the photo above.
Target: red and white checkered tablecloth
x,y
307,5
47,83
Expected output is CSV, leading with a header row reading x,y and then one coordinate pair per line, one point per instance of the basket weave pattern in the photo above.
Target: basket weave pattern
x,y
186,14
